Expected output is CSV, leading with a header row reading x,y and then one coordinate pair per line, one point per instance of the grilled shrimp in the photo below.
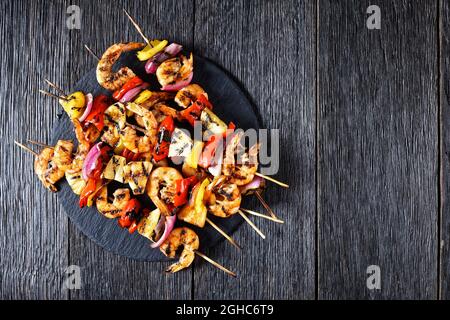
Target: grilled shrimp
x,y
245,170
63,154
115,118
230,151
74,171
180,237
224,197
157,97
188,95
115,80
130,138
162,188
112,210
174,70
83,145
47,170
159,111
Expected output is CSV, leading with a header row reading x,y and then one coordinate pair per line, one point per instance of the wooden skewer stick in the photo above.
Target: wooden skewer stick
x,y
51,84
257,214
137,28
92,52
26,148
39,143
135,127
284,185
243,215
261,215
217,265
53,95
230,239
265,205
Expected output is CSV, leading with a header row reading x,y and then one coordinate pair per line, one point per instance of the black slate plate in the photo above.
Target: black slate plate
x,y
230,104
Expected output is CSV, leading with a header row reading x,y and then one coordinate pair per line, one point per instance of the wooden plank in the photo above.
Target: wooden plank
x,y
104,275
33,229
378,150
269,48
445,149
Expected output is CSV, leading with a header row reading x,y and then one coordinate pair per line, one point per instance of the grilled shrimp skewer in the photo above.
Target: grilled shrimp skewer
x,y
188,239
51,163
225,199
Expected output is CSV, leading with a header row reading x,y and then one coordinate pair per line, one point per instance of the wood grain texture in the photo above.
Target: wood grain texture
x,y
106,275
269,47
33,229
378,135
444,37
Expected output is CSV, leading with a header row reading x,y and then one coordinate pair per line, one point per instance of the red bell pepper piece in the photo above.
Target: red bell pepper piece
x,y
130,155
87,191
182,189
131,84
165,130
127,218
202,100
96,117
193,113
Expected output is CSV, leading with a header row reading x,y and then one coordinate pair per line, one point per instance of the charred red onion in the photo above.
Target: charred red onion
x,y
88,109
256,183
169,52
127,97
90,163
168,227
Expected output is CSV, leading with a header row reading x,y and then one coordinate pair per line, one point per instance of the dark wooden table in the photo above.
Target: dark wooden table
x,y
365,134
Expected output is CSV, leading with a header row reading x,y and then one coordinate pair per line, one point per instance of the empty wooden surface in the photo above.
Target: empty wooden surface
x,y
378,150
364,145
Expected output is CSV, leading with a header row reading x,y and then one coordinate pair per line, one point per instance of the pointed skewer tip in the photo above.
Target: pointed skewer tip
x,y
282,184
223,233
257,214
259,232
26,148
214,263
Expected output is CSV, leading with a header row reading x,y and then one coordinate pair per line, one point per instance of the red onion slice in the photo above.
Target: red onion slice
x,y
88,109
169,52
127,97
90,163
169,224
256,183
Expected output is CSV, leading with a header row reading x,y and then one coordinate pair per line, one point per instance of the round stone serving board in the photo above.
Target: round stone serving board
x,y
230,104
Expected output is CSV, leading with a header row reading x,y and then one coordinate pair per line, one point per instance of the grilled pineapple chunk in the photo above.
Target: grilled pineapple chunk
x,y
116,115
114,169
147,225
180,144
212,123
136,174
75,181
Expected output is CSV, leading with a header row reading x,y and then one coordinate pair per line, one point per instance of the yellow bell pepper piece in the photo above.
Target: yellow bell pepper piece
x,y
93,196
149,51
74,104
119,147
200,207
192,159
143,96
